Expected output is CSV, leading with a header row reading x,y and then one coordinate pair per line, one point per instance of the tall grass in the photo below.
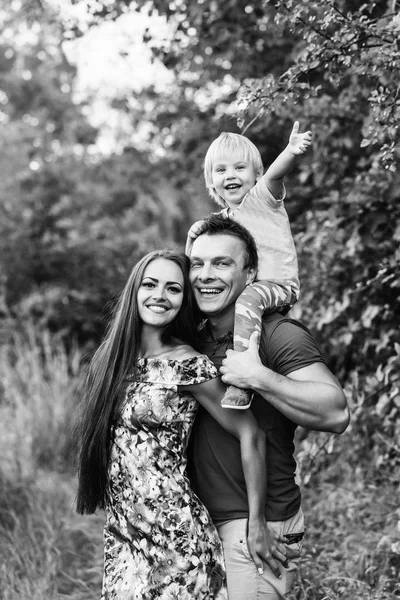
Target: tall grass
x,y
46,551
352,542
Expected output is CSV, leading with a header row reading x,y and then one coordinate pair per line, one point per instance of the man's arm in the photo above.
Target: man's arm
x,y
309,396
298,144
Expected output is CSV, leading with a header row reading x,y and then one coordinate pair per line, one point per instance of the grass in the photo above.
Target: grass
x,y
48,552
352,542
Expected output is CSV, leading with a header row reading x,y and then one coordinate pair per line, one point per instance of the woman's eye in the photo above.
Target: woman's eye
x,y
147,284
174,290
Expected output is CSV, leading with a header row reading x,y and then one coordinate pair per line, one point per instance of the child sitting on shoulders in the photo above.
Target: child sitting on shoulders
x,y
233,173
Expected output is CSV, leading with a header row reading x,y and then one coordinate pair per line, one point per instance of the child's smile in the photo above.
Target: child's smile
x,y
232,180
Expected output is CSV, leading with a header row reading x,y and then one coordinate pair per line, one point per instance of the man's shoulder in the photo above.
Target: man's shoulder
x,y
287,344
271,322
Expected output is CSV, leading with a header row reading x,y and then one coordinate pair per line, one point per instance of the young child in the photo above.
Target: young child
x,y
233,173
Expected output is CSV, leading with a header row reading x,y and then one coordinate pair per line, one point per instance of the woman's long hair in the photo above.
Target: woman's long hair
x,y
106,378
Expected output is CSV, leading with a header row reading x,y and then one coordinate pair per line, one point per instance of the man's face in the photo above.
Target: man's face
x,y
217,272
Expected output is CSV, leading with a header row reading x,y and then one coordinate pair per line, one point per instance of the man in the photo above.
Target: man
x,y
292,387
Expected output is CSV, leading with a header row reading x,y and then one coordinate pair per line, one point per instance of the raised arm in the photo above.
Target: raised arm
x,y
309,396
298,144
262,541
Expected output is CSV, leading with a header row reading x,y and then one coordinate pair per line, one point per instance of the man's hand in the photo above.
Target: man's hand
x,y
265,545
238,367
195,230
299,142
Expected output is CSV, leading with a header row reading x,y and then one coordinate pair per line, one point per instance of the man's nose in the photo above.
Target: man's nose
x,y
206,273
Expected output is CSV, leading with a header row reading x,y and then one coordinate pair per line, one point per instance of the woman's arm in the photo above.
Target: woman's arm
x,y
243,426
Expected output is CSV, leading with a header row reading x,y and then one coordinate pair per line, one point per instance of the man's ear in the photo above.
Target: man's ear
x,y
251,275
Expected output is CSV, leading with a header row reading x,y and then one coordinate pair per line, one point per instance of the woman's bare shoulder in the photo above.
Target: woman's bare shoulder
x,y
182,352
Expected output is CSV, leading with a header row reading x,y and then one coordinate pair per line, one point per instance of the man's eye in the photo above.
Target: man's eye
x,y
194,265
222,263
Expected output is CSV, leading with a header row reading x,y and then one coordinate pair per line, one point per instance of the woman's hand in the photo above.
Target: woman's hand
x,y
265,545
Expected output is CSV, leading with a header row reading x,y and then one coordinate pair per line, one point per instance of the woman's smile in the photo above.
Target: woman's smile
x,y
160,294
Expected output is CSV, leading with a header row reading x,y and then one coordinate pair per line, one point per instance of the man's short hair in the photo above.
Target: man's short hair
x,y
216,224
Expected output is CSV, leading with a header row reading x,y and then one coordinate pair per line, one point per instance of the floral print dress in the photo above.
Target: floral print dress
x,y
159,540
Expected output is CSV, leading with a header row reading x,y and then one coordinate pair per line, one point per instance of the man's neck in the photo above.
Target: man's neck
x,y
220,324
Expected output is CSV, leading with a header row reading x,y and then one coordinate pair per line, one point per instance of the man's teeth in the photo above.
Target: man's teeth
x,y
210,291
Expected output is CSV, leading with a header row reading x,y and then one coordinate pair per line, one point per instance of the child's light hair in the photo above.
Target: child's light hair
x,y
235,146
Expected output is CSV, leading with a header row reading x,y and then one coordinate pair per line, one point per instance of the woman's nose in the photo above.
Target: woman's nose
x,y
159,293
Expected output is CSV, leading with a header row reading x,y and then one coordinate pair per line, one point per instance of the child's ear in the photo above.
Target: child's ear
x,y
259,174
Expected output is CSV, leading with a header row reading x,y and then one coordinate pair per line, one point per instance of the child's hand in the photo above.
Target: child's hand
x,y
195,230
299,142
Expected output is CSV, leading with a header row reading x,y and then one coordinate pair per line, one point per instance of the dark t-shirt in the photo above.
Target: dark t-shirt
x,y
215,462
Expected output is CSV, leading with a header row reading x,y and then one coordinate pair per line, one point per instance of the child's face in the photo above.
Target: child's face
x,y
232,179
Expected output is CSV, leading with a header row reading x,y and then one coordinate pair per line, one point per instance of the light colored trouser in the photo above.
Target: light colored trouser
x,y
244,581
254,301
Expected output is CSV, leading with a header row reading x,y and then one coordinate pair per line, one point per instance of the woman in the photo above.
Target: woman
x,y
141,397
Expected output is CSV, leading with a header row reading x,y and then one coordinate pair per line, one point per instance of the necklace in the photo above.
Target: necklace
x,y
223,340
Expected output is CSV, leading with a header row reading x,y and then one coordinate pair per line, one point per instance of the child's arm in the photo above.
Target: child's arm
x,y
196,229
298,144
194,232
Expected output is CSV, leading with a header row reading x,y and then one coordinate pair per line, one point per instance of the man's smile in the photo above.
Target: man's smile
x,y
212,291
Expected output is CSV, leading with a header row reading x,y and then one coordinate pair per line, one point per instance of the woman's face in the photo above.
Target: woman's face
x,y
160,294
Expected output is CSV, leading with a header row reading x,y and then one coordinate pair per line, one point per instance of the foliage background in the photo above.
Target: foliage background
x,y
75,218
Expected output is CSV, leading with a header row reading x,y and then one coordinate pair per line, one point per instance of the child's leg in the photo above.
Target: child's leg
x,y
249,309
254,301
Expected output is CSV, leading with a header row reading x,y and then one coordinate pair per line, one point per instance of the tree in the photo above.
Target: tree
x,y
334,64
72,223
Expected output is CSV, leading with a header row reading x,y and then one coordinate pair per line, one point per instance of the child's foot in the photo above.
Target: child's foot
x,y
237,398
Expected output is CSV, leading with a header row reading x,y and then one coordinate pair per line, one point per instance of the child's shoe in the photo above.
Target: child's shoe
x,y
237,398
